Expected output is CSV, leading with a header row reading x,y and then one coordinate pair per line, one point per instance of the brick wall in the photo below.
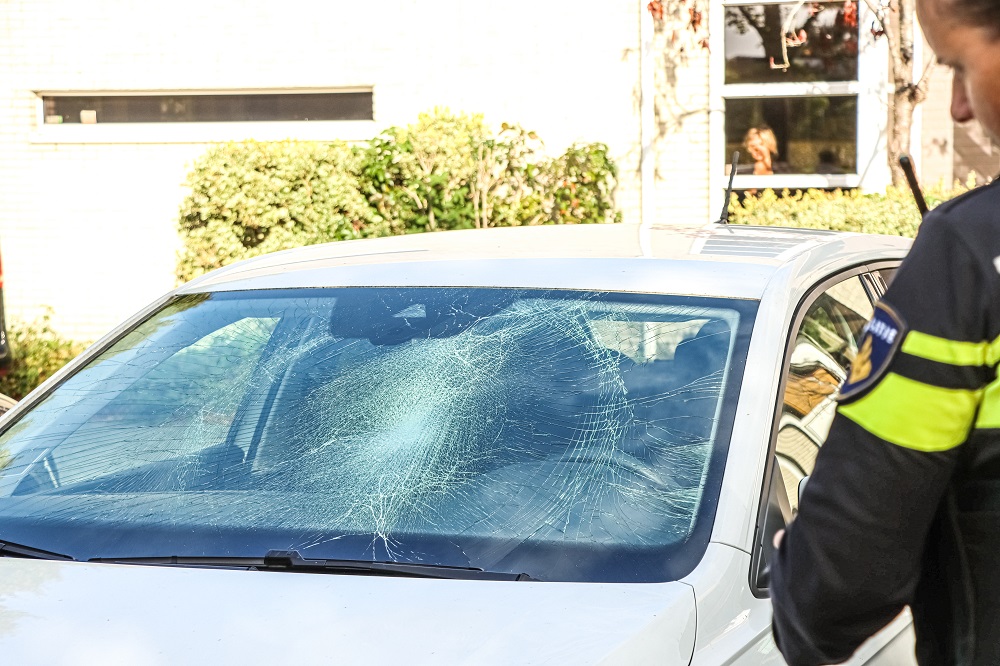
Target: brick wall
x,y
976,155
681,140
87,225
951,152
937,147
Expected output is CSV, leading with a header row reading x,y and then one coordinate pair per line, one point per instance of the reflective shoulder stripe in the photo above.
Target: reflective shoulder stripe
x,y
942,350
993,354
989,411
915,415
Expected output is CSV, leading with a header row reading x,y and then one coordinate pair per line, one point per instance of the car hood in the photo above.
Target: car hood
x,y
67,612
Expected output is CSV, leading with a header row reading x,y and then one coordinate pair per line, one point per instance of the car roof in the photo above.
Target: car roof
x,y
714,259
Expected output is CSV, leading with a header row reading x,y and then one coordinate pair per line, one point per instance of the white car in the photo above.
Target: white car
x,y
513,446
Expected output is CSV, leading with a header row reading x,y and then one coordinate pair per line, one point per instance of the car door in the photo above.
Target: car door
x,y
822,343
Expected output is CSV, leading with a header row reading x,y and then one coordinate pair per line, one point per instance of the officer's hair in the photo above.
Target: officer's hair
x,y
985,13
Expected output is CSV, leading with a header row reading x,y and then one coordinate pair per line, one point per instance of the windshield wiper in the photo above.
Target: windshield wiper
x,y
290,560
11,549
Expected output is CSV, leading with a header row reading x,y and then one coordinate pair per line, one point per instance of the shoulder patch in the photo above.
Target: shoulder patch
x,y
880,339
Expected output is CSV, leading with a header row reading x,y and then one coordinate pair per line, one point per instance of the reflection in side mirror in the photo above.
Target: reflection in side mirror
x,y
802,487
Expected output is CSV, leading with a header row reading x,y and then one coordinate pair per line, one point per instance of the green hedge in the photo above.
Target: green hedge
x,y
251,198
893,213
37,352
446,171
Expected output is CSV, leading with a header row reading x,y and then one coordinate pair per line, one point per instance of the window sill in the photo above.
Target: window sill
x,y
793,181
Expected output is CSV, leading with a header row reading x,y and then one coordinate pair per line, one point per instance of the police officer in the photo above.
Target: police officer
x,y
903,507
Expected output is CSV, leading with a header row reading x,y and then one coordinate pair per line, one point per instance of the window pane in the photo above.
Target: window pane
x,y
825,346
819,38
208,108
433,425
793,134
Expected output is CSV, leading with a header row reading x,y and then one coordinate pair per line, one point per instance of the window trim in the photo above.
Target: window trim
x,y
877,268
871,89
792,89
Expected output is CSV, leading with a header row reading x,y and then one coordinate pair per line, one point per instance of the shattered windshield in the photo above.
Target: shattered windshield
x,y
571,436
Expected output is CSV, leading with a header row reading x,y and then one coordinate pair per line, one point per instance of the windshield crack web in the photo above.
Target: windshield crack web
x,y
410,425
523,427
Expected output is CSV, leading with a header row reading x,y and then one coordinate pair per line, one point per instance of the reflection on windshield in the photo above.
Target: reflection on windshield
x,y
570,436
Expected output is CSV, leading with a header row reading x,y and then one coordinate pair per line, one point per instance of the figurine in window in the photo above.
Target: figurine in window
x,y
762,146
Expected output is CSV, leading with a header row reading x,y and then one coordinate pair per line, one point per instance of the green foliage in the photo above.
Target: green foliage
x,y
582,185
419,177
893,213
508,187
446,171
37,352
251,198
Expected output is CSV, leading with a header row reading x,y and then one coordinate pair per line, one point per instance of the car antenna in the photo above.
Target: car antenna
x,y
907,165
724,218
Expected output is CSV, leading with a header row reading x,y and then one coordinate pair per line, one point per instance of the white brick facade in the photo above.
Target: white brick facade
x,y
88,212
87,218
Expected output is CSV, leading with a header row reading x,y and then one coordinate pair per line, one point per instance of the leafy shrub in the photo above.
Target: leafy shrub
x,y
419,177
446,171
37,352
508,187
251,198
582,183
893,213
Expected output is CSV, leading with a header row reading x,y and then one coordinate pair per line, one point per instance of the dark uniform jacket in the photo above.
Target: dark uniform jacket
x,y
903,507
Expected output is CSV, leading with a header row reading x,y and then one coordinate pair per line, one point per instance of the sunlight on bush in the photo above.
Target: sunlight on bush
x,y
893,213
37,352
446,171
248,199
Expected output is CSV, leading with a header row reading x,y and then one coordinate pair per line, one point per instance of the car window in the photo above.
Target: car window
x,y
182,404
825,344
566,435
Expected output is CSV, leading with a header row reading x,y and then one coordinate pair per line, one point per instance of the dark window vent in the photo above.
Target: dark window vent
x,y
208,108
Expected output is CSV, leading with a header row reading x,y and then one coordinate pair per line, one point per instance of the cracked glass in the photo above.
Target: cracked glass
x,y
573,436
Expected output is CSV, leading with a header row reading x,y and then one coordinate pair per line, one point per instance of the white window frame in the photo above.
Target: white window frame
x,y
872,91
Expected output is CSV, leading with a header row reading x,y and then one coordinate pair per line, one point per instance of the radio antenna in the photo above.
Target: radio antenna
x,y
911,178
724,218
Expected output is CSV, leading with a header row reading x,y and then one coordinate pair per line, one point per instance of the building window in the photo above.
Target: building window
x,y
793,87
799,134
781,43
208,108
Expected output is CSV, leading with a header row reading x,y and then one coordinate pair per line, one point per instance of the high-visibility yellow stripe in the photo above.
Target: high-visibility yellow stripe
x,y
989,410
993,353
915,415
943,350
